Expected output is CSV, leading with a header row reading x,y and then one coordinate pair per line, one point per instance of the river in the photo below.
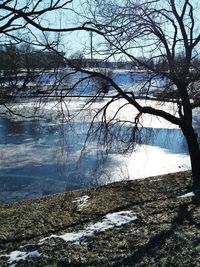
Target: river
x,y
45,154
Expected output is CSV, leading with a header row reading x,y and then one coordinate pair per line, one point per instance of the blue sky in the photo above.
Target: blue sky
x,y
77,41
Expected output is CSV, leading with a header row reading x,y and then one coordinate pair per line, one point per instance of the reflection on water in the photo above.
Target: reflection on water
x,y
39,157
170,139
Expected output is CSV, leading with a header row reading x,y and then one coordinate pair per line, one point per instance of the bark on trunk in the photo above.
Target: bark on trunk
x,y
194,152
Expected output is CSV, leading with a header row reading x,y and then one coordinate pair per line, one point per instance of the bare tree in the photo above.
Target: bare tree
x,y
30,22
36,24
159,31
17,16
142,32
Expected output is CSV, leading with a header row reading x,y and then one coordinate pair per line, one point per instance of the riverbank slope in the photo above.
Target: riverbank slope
x,y
143,222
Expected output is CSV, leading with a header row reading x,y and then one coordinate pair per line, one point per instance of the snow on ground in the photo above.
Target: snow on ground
x,y
110,221
17,255
82,201
189,194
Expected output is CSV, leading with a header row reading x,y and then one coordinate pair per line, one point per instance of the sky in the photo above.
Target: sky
x,y
77,41
54,19
80,40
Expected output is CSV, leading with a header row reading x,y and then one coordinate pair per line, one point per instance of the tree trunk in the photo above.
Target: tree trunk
x,y
194,152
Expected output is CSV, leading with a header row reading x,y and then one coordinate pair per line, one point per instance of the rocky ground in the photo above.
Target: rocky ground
x,y
131,223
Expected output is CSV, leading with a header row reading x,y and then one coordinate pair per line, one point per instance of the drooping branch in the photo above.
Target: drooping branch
x,y
131,99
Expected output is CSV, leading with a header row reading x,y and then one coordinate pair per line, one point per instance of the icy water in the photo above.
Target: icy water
x,y
40,157
45,156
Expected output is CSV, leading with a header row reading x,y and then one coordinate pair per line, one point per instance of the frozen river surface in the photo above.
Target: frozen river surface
x,y
45,156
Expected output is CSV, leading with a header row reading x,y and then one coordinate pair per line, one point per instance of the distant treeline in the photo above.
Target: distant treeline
x,y
14,58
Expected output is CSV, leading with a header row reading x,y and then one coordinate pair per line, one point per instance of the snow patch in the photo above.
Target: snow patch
x,y
17,255
189,194
110,221
82,201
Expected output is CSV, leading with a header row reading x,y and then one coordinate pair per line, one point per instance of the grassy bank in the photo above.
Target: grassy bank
x,y
83,228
